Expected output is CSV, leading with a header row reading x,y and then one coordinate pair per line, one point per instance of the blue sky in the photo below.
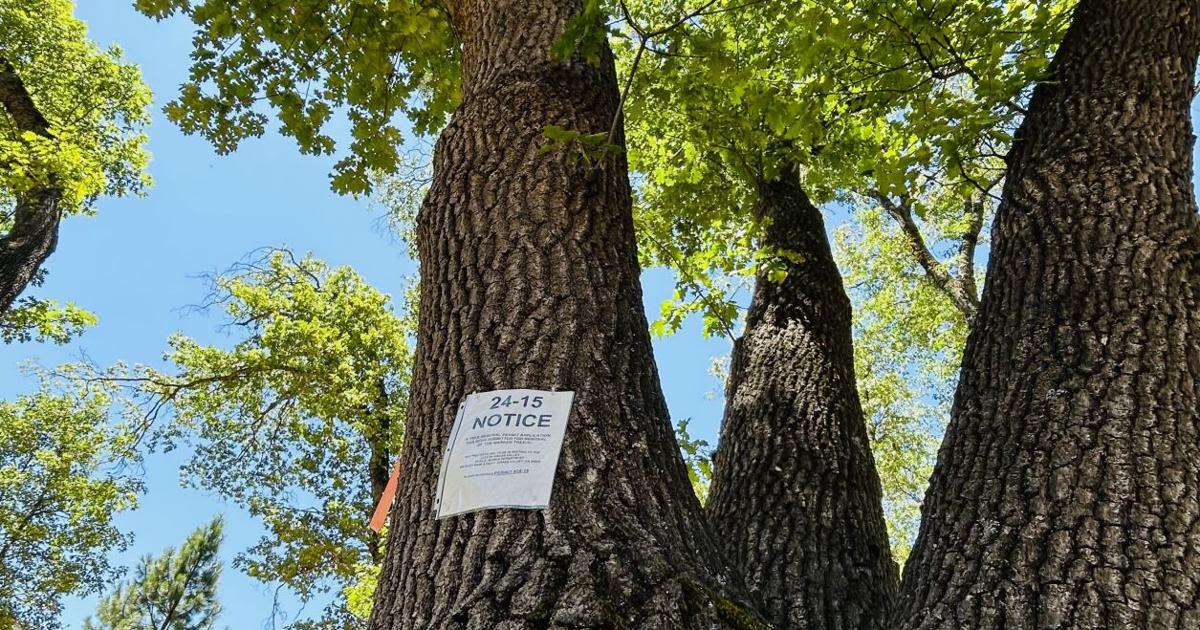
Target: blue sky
x,y
135,266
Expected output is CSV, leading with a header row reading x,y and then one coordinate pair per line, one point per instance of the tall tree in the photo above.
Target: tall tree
x,y
175,591
529,278
717,107
298,421
743,116
1066,491
65,472
71,133
795,496
795,499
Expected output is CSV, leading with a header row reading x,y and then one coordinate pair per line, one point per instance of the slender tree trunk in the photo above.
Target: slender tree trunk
x,y
795,499
529,278
33,233
1065,494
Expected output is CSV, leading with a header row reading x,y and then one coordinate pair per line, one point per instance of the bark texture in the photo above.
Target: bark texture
x,y
1065,495
33,233
529,278
796,500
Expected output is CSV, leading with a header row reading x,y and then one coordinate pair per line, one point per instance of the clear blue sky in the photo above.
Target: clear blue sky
x,y
134,265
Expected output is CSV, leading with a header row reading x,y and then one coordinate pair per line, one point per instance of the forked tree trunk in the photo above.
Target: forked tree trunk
x,y
1065,494
795,499
529,278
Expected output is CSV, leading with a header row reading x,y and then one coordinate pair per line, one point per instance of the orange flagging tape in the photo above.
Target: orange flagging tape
x,y
385,500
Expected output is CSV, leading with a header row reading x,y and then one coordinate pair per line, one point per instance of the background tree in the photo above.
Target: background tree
x,y
528,278
175,591
65,472
298,422
72,132
1065,493
908,339
795,496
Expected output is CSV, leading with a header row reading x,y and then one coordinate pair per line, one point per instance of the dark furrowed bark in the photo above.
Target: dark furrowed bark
x,y
29,242
1065,495
529,278
796,500
33,234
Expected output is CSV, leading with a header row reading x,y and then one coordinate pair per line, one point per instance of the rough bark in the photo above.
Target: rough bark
x,y
795,498
33,233
1065,495
529,278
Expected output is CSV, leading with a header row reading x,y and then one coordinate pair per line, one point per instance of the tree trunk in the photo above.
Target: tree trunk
x,y
33,233
529,278
1065,494
795,499
29,242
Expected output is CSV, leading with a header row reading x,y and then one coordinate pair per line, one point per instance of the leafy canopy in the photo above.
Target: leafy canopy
x,y
94,101
35,319
913,99
697,456
308,61
908,339
65,472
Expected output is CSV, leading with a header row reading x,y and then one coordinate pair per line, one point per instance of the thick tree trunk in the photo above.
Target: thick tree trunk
x,y
795,499
529,278
33,232
1065,495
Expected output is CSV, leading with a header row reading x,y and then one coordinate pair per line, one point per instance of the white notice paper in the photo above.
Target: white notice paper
x,y
503,451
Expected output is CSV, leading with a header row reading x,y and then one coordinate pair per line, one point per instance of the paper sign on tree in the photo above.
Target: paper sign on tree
x,y
503,451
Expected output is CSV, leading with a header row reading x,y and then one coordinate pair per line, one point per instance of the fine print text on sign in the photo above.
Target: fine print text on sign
x,y
503,451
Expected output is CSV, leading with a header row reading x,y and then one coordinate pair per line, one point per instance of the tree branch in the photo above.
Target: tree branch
x,y
644,38
965,301
19,104
966,250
